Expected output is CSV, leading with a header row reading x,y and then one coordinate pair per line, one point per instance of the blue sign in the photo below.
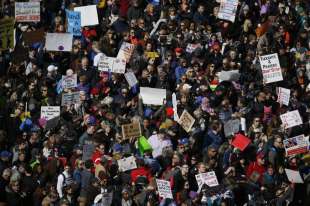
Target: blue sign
x,y
74,22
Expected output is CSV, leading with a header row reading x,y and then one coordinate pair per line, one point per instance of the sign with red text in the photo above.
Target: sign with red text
x,y
271,68
27,11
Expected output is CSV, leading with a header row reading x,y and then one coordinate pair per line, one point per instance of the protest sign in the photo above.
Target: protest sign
x,y
89,15
152,55
152,96
208,178
240,141
112,64
58,42
27,11
271,68
74,22
175,107
164,189
186,121
49,112
127,163
232,75
231,127
104,198
131,130
88,150
228,10
32,37
69,81
291,119
293,176
125,51
296,145
191,47
131,79
7,37
70,98
283,96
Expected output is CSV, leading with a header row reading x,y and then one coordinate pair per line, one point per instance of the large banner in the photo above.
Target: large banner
x,y
27,11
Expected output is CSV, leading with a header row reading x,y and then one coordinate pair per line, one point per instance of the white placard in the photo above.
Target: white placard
x,y
69,81
89,15
231,127
293,176
125,51
232,75
291,119
296,145
131,79
175,107
164,188
127,163
271,68
228,9
208,178
112,64
58,42
50,112
283,96
186,121
27,11
70,98
153,96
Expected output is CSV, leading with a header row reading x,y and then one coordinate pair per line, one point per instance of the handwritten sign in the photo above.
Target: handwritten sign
x,y
112,64
186,121
283,96
7,38
69,81
27,11
131,130
208,178
271,68
126,51
164,189
291,119
127,163
74,22
296,145
228,10
58,42
70,98
49,112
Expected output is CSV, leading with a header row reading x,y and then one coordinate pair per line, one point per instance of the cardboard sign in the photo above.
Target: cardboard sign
x,y
271,68
208,178
131,130
296,145
131,79
69,81
164,189
283,96
7,37
232,75
293,176
291,119
58,42
240,141
127,163
49,112
125,51
153,96
228,9
27,11
231,127
186,121
34,37
89,15
70,98
112,64
74,22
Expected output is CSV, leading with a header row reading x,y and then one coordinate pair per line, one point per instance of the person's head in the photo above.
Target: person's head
x,y
256,122
184,169
15,186
44,91
212,151
201,8
260,159
6,174
278,143
176,159
146,122
84,62
261,97
201,167
67,168
126,194
270,170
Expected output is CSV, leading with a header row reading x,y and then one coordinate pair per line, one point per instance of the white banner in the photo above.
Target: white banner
x,y
112,64
131,79
89,15
291,119
127,163
50,112
58,42
164,188
283,95
27,11
271,68
228,9
152,96
69,81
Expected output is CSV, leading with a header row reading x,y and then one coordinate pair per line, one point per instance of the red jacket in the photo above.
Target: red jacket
x,y
141,171
255,167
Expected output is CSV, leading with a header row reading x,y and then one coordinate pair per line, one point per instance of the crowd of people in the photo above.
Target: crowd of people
x,y
43,163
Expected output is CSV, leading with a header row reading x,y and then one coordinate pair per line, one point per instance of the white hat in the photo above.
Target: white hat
x,y
52,68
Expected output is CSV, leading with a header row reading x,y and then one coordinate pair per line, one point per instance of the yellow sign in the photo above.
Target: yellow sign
x,y
6,33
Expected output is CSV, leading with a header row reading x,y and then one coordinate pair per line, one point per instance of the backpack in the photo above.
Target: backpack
x,y
67,180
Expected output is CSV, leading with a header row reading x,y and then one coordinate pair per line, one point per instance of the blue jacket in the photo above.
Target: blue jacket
x,y
212,138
